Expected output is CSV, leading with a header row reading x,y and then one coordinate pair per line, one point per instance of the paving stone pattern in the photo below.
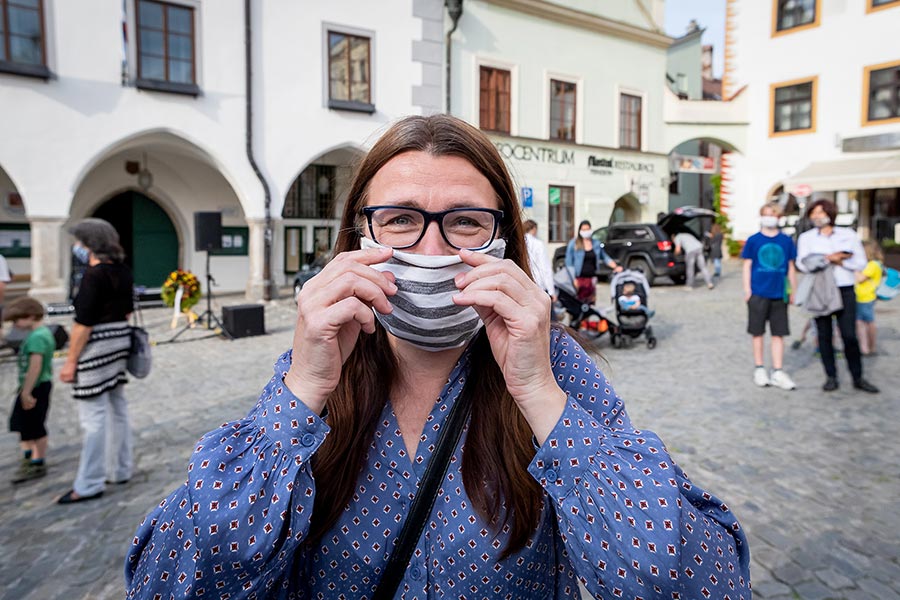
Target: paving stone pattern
x,y
813,477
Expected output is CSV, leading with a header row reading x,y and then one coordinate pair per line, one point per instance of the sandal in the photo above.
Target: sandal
x,y
68,497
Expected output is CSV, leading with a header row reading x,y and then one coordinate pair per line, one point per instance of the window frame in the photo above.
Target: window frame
x,y
640,121
814,98
576,129
295,192
164,85
872,7
817,20
509,119
349,105
39,71
866,90
564,236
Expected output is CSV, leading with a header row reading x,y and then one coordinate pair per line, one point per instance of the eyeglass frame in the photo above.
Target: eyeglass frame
x,y
437,217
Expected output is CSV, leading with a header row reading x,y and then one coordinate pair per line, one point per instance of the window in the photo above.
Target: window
x,y
165,42
22,38
562,213
562,110
881,89
494,100
874,5
349,71
793,107
312,194
630,121
794,15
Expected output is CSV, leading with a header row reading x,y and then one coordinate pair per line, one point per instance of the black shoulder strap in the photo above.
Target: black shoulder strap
x,y
424,500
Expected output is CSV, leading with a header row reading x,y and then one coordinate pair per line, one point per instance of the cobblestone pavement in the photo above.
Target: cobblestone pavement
x,y
813,477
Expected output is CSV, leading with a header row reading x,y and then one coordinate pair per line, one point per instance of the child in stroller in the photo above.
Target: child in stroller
x,y
583,316
630,293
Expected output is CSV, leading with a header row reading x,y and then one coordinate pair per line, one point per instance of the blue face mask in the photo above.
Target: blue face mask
x,y
82,254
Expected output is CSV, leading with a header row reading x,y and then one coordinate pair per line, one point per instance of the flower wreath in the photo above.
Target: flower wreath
x,y
183,279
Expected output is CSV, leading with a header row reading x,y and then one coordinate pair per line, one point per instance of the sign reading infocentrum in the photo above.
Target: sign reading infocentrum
x,y
536,153
604,166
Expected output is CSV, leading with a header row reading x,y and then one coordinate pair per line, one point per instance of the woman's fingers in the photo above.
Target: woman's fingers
x,y
352,285
508,309
502,282
486,266
350,309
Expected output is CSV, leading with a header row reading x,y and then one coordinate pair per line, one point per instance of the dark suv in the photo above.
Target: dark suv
x,y
647,246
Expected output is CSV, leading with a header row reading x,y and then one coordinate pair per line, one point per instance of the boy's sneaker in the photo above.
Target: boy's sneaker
x,y
30,471
783,380
760,377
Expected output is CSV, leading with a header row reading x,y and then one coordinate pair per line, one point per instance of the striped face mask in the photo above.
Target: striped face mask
x,y
424,314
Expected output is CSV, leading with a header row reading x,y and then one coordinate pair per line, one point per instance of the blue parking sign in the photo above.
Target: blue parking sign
x,y
527,197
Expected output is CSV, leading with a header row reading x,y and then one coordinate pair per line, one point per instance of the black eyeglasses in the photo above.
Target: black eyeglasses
x,y
404,226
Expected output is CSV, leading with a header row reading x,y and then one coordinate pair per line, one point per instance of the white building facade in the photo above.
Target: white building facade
x,y
822,80
572,96
147,128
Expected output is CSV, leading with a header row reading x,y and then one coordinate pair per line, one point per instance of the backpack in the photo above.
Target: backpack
x,y
890,283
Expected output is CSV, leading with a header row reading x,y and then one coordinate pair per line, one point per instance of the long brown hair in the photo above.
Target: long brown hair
x,y
498,446
579,241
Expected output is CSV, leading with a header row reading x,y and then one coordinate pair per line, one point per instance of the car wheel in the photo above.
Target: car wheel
x,y
644,266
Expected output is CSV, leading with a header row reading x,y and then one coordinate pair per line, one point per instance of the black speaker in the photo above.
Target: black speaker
x,y
244,320
207,231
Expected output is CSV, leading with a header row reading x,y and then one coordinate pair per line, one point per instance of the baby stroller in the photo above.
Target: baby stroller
x,y
583,316
632,322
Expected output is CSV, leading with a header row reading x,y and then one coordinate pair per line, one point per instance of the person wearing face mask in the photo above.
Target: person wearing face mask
x,y
584,255
425,322
768,263
96,362
840,249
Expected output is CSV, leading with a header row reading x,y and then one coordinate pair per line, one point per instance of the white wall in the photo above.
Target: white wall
x,y
537,50
847,40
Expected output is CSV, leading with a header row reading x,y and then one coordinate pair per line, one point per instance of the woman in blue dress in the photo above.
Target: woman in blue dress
x,y
429,299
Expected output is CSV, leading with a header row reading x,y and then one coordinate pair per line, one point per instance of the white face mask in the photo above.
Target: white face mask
x,y
585,234
424,313
768,222
820,222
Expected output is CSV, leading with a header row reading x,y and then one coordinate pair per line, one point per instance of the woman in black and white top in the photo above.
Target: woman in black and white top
x,y
843,251
98,353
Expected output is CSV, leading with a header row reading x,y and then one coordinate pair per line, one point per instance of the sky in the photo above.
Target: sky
x,y
710,14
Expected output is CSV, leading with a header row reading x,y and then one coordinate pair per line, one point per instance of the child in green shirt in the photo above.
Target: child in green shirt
x,y
29,412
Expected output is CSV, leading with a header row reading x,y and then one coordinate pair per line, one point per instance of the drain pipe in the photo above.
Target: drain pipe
x,y
267,234
455,10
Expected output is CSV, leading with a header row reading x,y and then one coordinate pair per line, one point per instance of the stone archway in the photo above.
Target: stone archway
x,y
627,209
15,235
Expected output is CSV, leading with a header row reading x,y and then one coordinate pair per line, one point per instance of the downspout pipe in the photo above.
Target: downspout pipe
x,y
455,10
267,234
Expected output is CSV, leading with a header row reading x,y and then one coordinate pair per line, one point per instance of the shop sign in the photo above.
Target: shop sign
x,y
606,166
554,196
527,152
694,164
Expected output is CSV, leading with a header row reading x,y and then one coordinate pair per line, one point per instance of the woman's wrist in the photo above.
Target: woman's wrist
x,y
542,409
313,399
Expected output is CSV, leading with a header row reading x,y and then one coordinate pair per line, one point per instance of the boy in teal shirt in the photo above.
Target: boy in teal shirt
x,y
29,412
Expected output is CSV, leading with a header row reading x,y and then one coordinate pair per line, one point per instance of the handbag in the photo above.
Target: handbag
x,y
139,358
424,500
890,284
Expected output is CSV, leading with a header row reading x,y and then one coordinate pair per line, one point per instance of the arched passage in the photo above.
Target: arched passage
x,y
313,206
147,234
15,233
692,165
627,209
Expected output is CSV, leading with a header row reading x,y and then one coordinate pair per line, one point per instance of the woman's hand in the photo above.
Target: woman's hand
x,y
67,373
516,315
332,308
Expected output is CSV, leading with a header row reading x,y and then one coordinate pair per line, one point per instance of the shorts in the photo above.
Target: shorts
x,y
773,310
865,311
30,423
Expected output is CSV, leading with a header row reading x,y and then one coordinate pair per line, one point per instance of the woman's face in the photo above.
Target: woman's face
x,y
586,228
431,183
818,213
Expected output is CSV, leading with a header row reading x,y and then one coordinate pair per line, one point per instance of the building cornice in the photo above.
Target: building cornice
x,y
585,20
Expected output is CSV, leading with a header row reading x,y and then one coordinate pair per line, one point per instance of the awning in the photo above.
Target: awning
x,y
848,174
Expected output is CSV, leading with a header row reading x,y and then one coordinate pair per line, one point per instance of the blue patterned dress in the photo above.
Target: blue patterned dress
x,y
619,515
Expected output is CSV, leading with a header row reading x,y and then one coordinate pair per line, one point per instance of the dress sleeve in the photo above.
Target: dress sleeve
x,y
87,300
630,521
235,525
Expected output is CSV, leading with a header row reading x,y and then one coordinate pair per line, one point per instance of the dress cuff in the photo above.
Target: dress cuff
x,y
285,419
565,455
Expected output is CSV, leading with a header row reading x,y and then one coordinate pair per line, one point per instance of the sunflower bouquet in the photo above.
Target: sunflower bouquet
x,y
189,285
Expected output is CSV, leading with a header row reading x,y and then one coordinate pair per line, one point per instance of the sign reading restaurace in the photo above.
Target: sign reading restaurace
x,y
604,166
